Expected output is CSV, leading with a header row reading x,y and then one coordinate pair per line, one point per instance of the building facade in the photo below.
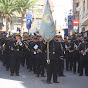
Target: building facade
x,y
76,4
83,10
36,12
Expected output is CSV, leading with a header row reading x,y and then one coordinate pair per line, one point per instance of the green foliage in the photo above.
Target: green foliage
x,y
7,7
22,5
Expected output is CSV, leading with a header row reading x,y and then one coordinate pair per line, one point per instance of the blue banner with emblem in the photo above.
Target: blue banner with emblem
x,y
47,29
65,32
70,22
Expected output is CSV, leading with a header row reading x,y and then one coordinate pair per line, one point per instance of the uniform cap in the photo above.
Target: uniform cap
x,y
34,37
59,36
65,37
69,38
85,38
78,35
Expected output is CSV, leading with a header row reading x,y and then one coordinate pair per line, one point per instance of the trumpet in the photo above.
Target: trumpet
x,y
85,52
20,43
75,46
62,48
67,48
26,45
3,48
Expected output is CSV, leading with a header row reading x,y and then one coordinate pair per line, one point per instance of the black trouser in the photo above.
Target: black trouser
x,y
83,64
34,63
43,63
60,67
30,62
67,60
76,58
52,70
8,61
71,61
15,62
40,64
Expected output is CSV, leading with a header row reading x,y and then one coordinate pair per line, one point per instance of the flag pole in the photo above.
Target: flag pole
x,y
47,50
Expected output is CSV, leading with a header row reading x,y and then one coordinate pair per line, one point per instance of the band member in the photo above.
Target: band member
x,y
28,54
34,48
69,46
61,59
77,43
15,56
40,61
9,41
84,57
24,50
54,50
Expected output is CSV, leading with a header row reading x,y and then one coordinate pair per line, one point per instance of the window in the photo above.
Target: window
x,y
83,5
87,4
77,4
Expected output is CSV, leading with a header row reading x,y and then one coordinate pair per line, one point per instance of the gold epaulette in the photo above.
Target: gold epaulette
x,y
44,42
61,56
15,44
3,44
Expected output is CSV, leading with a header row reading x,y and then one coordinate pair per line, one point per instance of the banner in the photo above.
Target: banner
x,y
47,29
70,23
65,32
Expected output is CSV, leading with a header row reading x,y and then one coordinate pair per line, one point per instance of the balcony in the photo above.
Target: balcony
x,y
85,18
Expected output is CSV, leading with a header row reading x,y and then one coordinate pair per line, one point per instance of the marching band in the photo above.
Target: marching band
x,y
32,53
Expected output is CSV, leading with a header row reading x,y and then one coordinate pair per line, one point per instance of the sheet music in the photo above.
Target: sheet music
x,y
36,47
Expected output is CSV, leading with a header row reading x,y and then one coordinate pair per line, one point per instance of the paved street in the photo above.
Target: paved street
x,y
29,80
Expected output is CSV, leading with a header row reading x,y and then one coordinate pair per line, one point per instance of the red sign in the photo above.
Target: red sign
x,y
76,22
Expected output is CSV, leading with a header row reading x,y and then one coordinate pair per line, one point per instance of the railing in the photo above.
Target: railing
x,y
85,14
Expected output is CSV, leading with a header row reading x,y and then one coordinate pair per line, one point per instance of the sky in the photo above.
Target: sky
x,y
61,10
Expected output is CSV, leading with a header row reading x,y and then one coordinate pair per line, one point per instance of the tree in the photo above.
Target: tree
x,y
22,5
7,7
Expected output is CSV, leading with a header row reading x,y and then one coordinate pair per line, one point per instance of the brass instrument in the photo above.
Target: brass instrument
x,y
3,48
20,43
67,48
26,45
84,53
75,47
61,47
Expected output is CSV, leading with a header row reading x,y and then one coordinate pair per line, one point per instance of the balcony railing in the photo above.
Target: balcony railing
x,y
85,14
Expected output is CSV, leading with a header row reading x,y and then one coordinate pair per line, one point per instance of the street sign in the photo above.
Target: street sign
x,y
28,18
76,22
28,21
70,22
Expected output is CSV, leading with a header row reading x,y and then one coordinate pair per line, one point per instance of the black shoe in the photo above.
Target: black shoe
x,y
49,82
11,74
62,75
86,75
23,65
74,72
56,82
37,76
42,75
80,75
7,69
17,74
34,72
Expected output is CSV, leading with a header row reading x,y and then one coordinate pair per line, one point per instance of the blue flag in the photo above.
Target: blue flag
x,y
47,29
